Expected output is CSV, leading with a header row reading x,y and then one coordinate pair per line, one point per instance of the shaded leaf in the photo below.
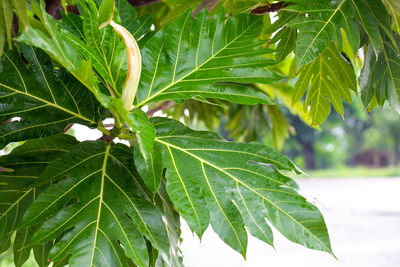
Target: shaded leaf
x,y
381,78
30,90
150,169
16,191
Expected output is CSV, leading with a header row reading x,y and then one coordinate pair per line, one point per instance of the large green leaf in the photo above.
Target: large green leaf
x,y
98,196
25,164
205,57
45,99
320,22
331,79
233,185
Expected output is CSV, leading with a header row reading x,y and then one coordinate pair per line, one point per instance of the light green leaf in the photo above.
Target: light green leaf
x,y
7,17
280,128
393,6
331,79
31,88
106,12
287,43
139,122
20,8
21,252
98,194
206,57
234,185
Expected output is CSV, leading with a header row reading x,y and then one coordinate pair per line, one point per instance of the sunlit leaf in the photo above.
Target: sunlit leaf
x,y
206,57
328,79
233,185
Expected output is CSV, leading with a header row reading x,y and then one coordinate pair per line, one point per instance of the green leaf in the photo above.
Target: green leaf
x,y
20,7
139,122
393,6
233,185
280,128
21,252
320,22
30,87
58,43
287,43
97,194
241,6
16,191
103,47
7,17
331,79
173,224
381,78
321,26
150,169
106,12
137,27
206,57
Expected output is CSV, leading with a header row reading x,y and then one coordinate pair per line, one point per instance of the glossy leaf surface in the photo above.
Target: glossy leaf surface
x,y
233,185
30,87
98,196
25,164
206,57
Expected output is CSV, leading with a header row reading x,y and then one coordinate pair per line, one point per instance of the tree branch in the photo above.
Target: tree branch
x,y
166,105
269,8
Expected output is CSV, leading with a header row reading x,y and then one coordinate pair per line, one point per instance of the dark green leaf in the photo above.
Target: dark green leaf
x,y
97,195
31,88
27,162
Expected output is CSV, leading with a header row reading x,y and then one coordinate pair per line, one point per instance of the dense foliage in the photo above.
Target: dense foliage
x,y
110,203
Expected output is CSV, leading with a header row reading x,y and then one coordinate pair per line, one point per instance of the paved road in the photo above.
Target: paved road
x,y
363,218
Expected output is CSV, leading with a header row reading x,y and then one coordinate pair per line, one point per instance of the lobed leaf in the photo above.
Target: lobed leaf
x,y
98,199
320,22
381,78
25,164
328,79
206,57
30,87
234,185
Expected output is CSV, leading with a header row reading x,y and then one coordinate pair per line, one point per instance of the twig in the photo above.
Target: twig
x,y
139,3
211,4
269,8
166,105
